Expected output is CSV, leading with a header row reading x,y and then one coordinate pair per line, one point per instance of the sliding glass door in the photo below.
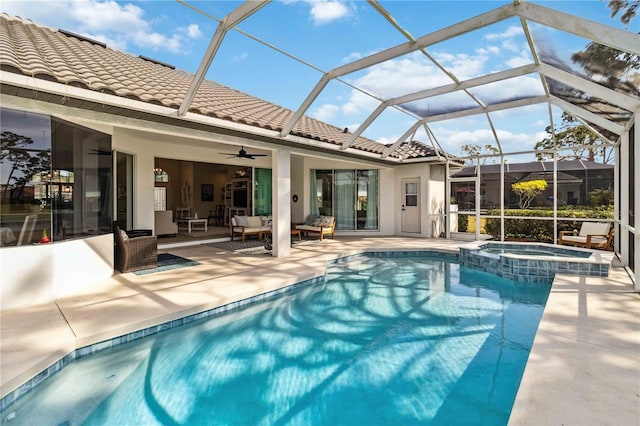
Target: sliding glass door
x,y
349,195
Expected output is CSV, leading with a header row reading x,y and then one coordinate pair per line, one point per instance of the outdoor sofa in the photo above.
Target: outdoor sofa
x,y
318,224
591,235
250,225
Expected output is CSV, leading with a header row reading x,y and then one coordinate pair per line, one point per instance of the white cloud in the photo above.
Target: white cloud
x,y
239,57
352,57
524,58
488,49
510,32
325,112
385,140
510,45
118,25
193,31
325,11
453,138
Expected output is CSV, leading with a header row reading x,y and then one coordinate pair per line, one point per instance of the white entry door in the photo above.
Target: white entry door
x,y
410,214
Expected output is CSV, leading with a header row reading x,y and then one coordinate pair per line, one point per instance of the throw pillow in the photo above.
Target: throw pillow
x,y
311,219
317,222
326,220
242,221
266,220
123,235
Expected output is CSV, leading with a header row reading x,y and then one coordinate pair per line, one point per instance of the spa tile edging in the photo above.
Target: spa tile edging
x,y
533,270
78,353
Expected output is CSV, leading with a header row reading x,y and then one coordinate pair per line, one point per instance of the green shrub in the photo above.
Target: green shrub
x,y
463,222
542,230
601,197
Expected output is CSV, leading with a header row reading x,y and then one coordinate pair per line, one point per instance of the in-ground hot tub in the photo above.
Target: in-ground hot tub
x,y
534,262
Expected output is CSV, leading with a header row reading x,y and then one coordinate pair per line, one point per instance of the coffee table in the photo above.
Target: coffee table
x,y
190,221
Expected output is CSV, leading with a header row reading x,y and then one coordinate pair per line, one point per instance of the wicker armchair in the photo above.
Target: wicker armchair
x,y
134,254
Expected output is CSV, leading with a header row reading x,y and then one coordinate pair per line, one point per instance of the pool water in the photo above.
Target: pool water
x,y
385,341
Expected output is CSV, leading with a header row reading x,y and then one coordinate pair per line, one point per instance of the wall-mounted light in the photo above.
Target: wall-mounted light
x,y
157,170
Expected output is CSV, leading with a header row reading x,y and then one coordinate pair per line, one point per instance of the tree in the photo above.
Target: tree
x,y
25,162
576,140
475,150
528,190
628,9
615,69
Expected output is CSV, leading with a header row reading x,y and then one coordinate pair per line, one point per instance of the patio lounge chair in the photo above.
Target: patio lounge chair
x,y
134,254
591,235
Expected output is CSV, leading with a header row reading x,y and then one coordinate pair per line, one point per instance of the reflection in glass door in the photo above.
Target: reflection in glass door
x,y
124,188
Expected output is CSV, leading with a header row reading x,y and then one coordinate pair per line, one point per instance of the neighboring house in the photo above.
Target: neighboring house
x,y
577,179
85,127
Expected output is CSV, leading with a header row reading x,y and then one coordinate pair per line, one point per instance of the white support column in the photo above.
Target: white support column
x,y
555,196
636,208
447,204
624,199
502,162
281,181
477,197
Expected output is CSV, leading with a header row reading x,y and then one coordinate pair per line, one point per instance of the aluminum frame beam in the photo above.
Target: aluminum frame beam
x,y
441,90
491,108
586,115
238,15
625,41
459,28
619,99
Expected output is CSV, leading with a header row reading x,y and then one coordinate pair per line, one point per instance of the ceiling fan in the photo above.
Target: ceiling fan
x,y
243,154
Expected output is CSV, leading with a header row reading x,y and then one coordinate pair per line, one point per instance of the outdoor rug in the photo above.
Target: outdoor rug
x,y
167,262
250,246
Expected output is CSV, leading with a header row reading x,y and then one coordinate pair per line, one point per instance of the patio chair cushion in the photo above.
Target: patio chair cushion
x,y
310,219
254,221
241,221
594,228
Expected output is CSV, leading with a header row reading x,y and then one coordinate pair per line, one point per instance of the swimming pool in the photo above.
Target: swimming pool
x,y
385,340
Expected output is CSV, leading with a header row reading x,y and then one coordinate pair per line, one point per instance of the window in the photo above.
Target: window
x,y
349,195
55,179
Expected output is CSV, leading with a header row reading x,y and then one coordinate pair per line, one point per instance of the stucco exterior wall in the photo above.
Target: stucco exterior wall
x,y
432,197
49,271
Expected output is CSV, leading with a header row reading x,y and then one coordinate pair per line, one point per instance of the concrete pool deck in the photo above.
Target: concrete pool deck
x,y
584,367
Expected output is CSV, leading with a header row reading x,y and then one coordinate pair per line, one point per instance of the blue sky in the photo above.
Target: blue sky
x,y
328,34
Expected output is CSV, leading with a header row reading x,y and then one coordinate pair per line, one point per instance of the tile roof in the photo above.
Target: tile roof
x,y
40,52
